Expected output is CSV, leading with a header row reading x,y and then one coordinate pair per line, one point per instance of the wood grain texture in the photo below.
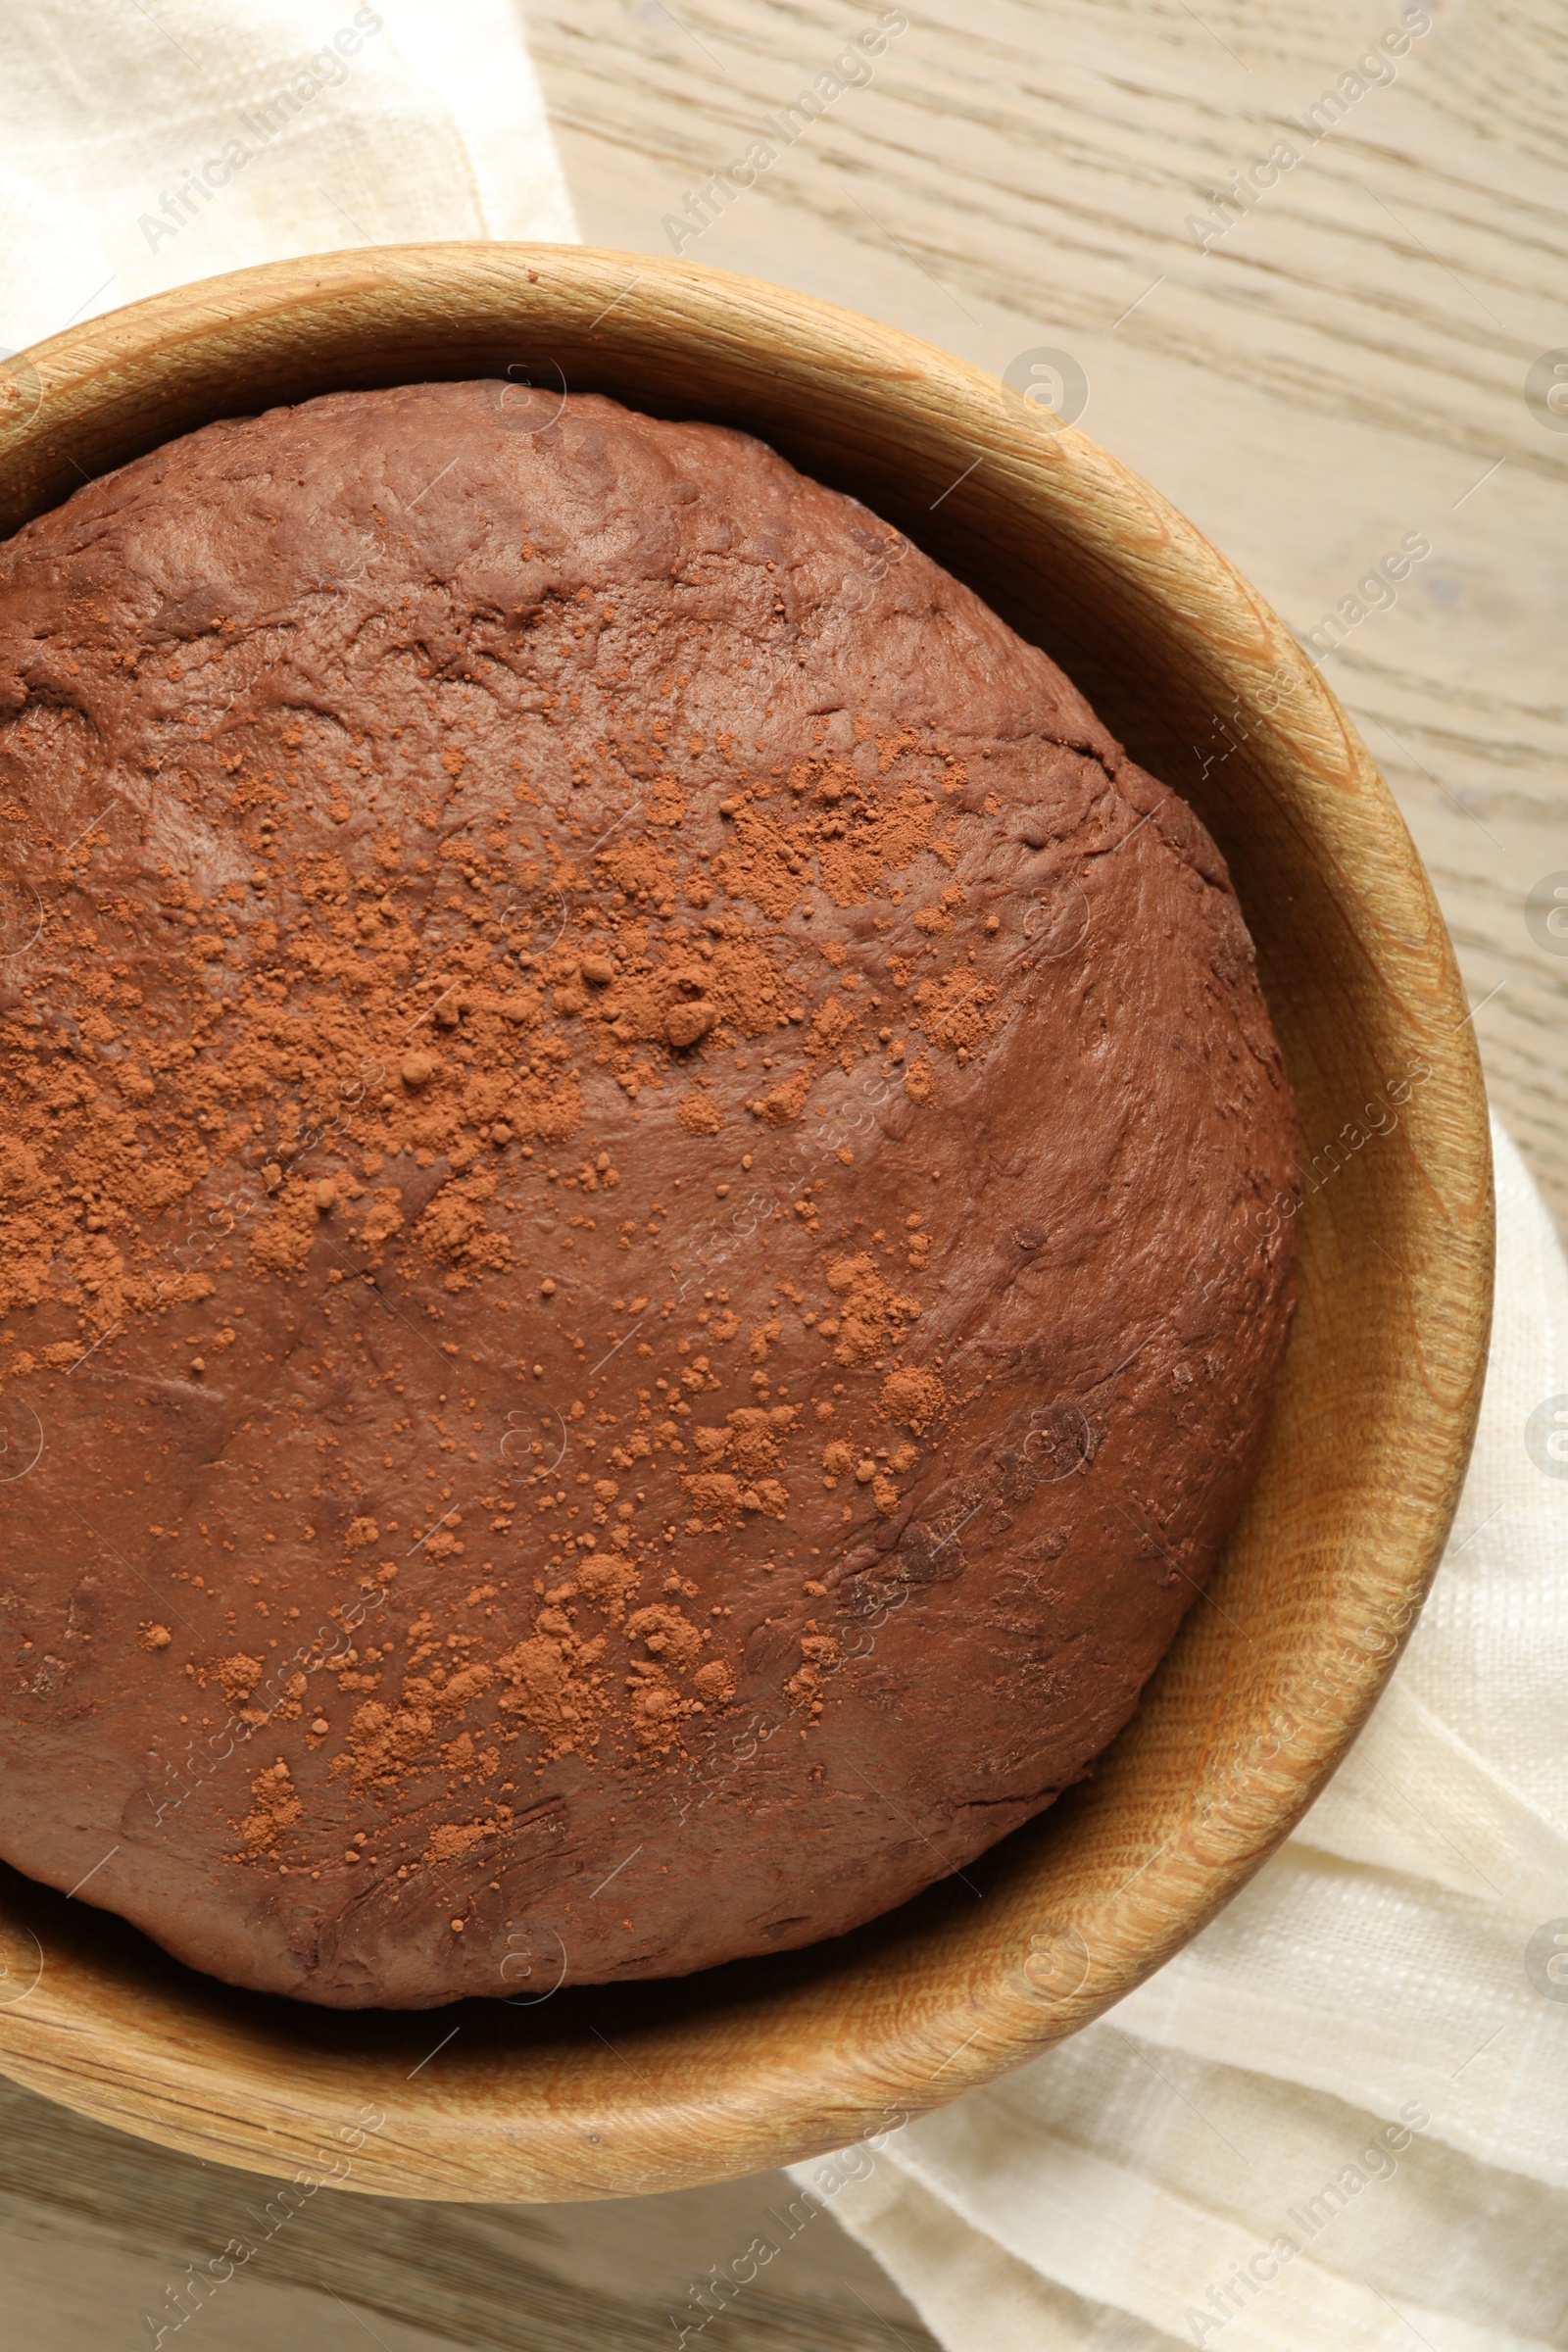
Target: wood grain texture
x,y
1344,366
99,2233
607,2092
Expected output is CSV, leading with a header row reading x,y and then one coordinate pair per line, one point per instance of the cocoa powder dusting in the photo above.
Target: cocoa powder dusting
x,y
517,1121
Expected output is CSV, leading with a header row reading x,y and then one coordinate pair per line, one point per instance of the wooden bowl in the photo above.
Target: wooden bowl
x,y
604,2091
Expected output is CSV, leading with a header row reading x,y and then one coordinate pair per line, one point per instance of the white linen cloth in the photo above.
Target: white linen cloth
x,y
145,145
1396,1964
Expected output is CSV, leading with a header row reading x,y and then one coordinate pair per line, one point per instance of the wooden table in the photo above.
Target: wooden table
x,y
1341,371
1344,366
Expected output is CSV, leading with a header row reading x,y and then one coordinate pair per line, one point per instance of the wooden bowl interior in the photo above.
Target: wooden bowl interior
x,y
600,2091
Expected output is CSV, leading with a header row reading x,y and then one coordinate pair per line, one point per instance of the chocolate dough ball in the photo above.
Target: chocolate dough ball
x,y
646,1204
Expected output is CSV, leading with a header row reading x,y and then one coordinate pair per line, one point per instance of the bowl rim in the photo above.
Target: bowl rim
x,y
778,2063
